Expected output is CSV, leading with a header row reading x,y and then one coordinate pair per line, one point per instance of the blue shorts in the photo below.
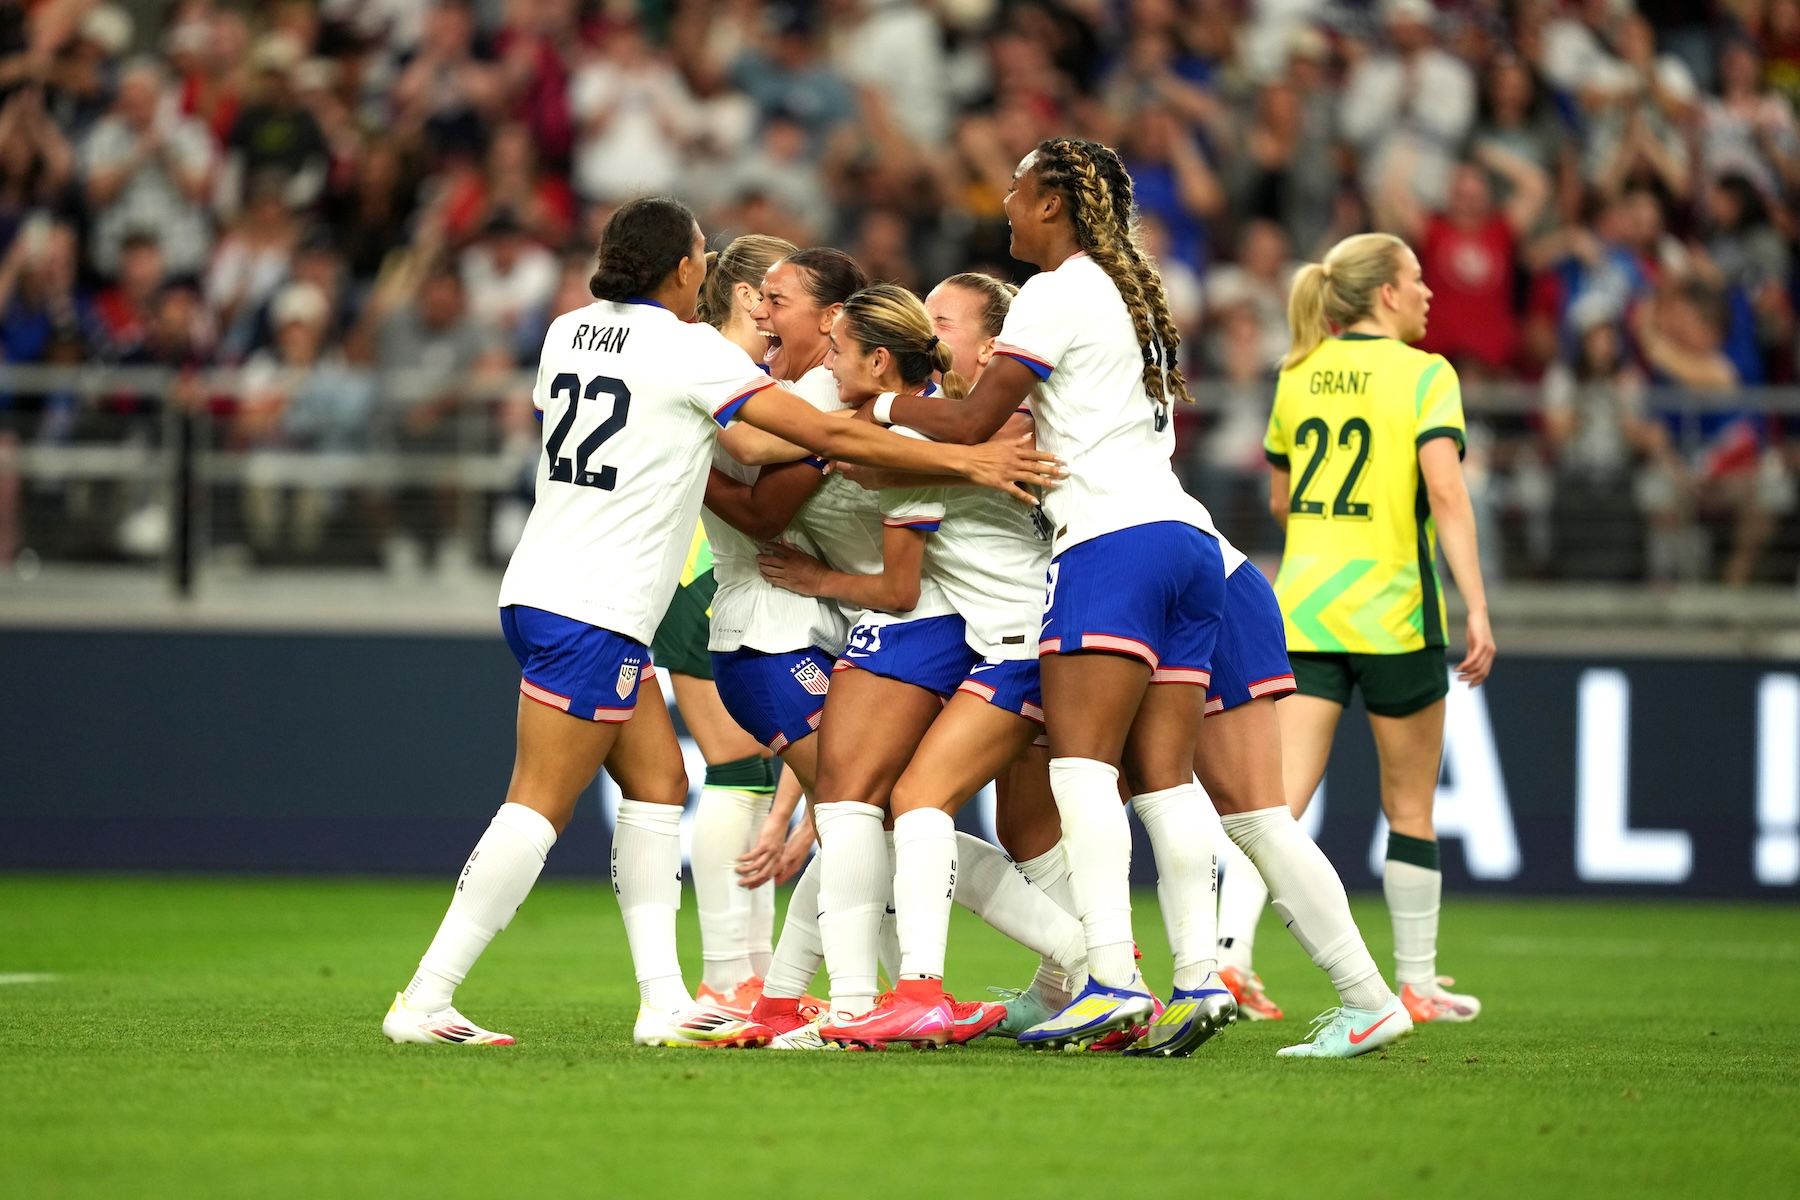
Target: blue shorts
x,y
776,698
1250,659
1154,592
1012,684
584,670
929,652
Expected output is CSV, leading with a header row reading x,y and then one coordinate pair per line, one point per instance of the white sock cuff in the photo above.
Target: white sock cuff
x,y
845,815
922,824
1047,868
1153,801
1073,768
1248,828
529,824
652,818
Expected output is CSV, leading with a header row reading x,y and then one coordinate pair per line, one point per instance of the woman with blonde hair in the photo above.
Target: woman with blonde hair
x,y
1365,442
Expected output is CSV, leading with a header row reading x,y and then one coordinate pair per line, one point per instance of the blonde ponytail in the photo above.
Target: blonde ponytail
x,y
1339,291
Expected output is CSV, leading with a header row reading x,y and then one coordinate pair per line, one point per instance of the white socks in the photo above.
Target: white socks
x,y
925,853
494,882
1310,898
762,926
725,824
1181,825
855,880
989,886
1097,840
646,875
1413,895
1241,899
799,953
1050,872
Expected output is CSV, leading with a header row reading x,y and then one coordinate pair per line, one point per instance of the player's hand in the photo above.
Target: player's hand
x,y
1479,658
789,569
759,865
796,852
1004,466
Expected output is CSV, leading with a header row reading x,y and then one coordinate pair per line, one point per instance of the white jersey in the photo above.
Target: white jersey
x,y
846,521
748,610
1071,327
633,399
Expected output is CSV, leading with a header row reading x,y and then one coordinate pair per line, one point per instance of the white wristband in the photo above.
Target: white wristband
x,y
883,410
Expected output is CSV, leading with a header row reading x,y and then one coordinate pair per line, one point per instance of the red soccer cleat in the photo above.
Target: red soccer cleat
x,y
915,1013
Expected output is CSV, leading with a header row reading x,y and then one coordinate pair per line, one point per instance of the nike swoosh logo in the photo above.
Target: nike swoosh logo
x,y
982,666
1357,1039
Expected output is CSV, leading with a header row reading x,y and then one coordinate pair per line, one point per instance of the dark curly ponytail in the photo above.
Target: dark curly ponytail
x,y
642,242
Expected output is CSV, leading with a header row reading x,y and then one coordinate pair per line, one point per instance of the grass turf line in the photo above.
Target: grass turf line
x,y
220,1038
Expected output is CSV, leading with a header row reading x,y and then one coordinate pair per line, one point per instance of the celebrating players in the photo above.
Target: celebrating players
x,y
633,397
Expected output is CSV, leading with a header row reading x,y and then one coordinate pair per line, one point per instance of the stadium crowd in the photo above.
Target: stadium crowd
x,y
1603,194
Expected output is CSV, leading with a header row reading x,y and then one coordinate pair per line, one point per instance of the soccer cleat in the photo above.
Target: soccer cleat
x,y
740,999
1433,1003
1348,1032
974,1019
1247,989
793,1027
1124,1039
445,1027
915,1013
1191,1017
1024,1009
699,1027
1096,1011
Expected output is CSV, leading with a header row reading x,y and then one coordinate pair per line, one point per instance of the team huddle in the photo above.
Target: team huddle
x,y
828,510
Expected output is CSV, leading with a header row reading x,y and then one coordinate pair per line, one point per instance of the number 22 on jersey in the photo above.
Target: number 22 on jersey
x,y
1315,435
584,405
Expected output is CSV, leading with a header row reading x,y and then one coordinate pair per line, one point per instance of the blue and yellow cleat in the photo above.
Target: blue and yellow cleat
x,y
1348,1032
1096,1011
1193,1015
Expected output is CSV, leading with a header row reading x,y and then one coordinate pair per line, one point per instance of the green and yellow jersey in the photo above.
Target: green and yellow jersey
x,y
699,560
1359,573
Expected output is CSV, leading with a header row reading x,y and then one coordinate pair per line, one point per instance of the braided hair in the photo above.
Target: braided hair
x,y
1097,191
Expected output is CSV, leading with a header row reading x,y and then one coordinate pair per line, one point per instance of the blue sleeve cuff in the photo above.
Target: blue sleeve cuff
x,y
1040,369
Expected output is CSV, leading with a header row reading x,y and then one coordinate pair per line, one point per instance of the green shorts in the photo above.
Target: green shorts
x,y
680,642
1392,685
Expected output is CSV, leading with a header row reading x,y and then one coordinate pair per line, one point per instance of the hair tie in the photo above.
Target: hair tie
x,y
1325,270
932,345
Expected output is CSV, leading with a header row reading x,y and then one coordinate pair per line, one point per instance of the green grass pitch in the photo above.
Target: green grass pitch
x,y
220,1038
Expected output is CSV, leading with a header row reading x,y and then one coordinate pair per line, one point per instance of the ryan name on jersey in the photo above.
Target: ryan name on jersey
x,y
600,337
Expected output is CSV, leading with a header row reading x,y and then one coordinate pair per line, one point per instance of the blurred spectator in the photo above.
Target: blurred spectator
x,y
124,309
882,246
518,186
1227,470
370,221
635,116
36,164
533,47
1468,252
891,46
506,275
786,74
1406,108
251,261
780,167
1748,129
449,87
1636,117
1612,463
39,300
208,54
1171,180
1282,167
1257,285
148,167
299,394
1518,118
274,135
1778,33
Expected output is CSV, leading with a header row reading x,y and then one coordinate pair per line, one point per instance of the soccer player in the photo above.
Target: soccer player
x,y
633,397
1366,441
953,602
1137,578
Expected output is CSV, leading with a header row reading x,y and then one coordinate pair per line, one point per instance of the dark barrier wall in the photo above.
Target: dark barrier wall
x,y
316,752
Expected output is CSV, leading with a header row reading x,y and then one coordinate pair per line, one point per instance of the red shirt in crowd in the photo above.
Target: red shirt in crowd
x,y
1470,272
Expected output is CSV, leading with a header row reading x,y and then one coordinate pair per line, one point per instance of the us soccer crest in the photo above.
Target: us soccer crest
x,y
809,676
627,679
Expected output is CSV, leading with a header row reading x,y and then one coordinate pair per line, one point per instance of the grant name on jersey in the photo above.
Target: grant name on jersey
x,y
1340,383
599,337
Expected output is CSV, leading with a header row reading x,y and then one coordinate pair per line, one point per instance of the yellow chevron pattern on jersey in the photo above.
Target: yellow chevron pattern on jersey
x,y
1359,572
699,560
